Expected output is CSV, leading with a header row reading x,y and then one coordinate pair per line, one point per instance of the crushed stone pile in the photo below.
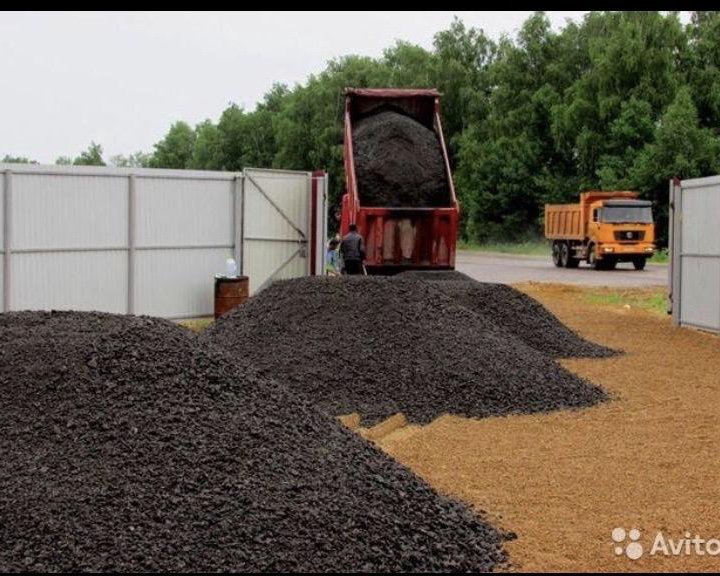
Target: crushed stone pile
x,y
398,162
128,445
379,346
518,313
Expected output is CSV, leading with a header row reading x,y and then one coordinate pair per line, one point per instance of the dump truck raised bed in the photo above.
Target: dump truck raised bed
x,y
399,189
604,228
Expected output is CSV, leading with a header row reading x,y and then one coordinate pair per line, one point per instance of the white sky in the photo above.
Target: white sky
x,y
121,79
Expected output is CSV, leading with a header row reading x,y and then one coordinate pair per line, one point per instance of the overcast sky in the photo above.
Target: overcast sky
x,y
121,79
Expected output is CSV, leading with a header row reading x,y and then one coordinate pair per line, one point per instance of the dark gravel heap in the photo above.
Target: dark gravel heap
x,y
521,315
398,162
128,446
380,346
438,275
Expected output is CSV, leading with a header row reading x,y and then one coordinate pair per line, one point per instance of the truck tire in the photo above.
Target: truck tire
x,y
556,254
639,262
564,255
572,261
609,263
592,260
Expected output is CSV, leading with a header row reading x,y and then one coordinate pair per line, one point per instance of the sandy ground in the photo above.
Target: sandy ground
x,y
649,459
513,268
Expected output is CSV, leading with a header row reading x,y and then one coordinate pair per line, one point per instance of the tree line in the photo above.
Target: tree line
x,y
619,100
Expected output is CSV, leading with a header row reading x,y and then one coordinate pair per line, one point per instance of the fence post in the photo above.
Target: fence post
x,y
676,249
7,240
239,222
131,245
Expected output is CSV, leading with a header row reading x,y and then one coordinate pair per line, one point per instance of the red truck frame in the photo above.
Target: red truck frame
x,y
399,237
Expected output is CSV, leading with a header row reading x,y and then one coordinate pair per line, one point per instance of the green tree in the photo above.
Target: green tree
x,y
506,158
63,161
90,157
704,66
206,151
627,73
682,148
136,160
461,64
175,150
8,159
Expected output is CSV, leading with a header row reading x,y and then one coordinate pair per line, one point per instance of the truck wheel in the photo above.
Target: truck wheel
x,y
610,263
564,255
639,262
556,254
592,260
572,261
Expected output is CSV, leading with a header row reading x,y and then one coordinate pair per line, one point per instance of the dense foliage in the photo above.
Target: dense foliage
x,y
619,100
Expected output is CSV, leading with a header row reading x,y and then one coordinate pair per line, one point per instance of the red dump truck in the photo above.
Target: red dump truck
x,y
407,236
604,228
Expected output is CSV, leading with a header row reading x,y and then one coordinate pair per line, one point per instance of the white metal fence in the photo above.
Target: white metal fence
x,y
695,252
147,241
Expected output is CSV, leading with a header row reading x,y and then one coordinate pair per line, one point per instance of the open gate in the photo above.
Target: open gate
x,y
282,224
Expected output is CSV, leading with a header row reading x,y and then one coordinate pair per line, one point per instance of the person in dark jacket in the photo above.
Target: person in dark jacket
x,y
352,249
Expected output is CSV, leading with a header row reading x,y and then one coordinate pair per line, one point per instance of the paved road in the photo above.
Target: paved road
x,y
512,269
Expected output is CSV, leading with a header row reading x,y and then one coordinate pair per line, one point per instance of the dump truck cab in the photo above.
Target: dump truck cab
x,y
604,228
620,230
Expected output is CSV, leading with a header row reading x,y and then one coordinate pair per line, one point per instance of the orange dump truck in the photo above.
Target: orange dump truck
x,y
603,229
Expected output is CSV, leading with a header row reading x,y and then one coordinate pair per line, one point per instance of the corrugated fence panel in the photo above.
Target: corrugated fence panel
x,y
184,212
77,246
700,296
70,281
699,252
176,283
276,225
289,191
2,216
64,211
701,219
262,259
2,239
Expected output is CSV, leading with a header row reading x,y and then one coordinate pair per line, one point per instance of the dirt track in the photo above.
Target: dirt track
x,y
512,269
564,481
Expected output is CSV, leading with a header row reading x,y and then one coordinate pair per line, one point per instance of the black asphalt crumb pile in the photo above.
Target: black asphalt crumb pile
x,y
518,313
398,162
379,346
128,446
438,275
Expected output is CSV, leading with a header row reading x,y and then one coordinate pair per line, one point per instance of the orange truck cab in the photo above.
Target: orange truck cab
x,y
603,229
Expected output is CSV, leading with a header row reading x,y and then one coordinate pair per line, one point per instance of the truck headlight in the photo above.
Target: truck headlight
x,y
648,249
608,249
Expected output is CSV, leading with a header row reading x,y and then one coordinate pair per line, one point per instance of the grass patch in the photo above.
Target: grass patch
x,y
534,248
530,248
196,324
651,299
660,257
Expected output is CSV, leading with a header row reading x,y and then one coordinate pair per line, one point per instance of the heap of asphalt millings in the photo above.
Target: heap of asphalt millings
x,y
128,446
518,313
398,162
379,346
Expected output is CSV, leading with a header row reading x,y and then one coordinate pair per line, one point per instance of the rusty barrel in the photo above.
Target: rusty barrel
x,y
229,293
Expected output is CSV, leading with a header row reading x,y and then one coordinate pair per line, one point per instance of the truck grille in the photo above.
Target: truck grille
x,y
629,235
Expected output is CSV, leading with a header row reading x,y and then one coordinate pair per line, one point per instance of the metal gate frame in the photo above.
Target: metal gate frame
x,y
678,253
302,239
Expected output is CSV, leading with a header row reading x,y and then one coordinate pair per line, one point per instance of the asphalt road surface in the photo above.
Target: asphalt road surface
x,y
513,269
